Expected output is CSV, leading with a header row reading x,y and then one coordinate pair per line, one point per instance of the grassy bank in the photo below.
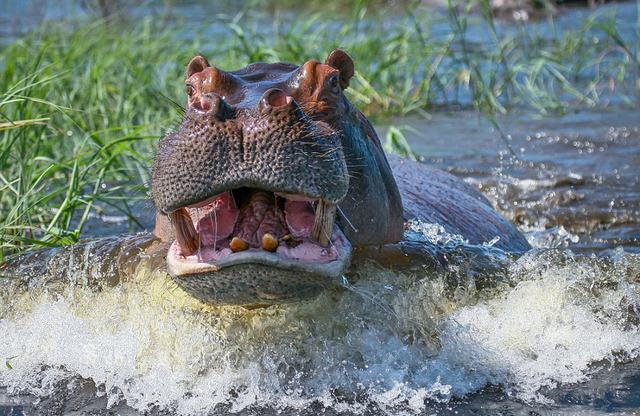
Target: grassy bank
x,y
81,105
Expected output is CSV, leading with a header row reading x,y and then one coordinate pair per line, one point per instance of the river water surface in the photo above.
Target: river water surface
x,y
555,331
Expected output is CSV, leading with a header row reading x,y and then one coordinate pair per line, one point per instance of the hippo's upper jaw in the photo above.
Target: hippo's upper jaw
x,y
252,178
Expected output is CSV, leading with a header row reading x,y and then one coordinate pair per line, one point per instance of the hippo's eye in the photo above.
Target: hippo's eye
x,y
334,82
190,90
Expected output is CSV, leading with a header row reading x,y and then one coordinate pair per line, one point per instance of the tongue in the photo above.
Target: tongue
x,y
260,215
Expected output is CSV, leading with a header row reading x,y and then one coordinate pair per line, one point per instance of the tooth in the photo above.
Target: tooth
x,y
238,244
323,224
269,242
186,234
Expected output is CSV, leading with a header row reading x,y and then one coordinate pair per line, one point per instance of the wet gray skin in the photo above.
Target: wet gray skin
x,y
256,152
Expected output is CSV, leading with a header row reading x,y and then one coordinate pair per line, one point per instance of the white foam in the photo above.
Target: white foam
x,y
147,344
549,329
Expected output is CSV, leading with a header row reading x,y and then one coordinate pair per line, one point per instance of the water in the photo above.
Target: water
x,y
576,177
150,346
554,331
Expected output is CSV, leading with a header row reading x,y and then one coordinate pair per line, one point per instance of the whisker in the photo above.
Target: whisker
x,y
347,219
199,239
215,227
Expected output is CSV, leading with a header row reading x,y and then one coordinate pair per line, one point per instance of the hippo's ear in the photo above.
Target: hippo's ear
x,y
198,64
341,61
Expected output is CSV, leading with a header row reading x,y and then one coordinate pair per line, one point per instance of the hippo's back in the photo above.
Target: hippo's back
x,y
434,196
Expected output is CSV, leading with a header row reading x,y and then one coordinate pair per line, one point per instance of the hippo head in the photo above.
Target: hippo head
x,y
269,181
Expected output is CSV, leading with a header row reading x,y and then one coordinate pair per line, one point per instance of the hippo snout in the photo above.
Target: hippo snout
x,y
272,146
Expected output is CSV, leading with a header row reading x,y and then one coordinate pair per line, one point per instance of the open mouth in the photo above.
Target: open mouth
x,y
250,225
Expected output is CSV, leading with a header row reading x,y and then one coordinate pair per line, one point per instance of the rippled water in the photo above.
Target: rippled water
x,y
576,177
552,332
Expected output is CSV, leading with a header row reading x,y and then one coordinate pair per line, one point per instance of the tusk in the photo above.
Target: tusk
x,y
187,236
323,224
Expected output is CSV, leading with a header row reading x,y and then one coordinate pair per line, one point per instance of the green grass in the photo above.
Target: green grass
x,y
82,105
80,110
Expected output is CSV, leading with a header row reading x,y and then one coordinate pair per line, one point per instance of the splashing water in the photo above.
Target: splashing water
x,y
396,341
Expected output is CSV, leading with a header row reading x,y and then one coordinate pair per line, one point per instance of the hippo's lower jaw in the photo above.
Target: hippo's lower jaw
x,y
252,246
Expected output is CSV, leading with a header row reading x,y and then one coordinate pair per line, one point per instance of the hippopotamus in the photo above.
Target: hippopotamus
x,y
274,177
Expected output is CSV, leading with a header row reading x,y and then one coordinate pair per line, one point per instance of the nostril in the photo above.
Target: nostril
x,y
277,98
204,104
213,104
